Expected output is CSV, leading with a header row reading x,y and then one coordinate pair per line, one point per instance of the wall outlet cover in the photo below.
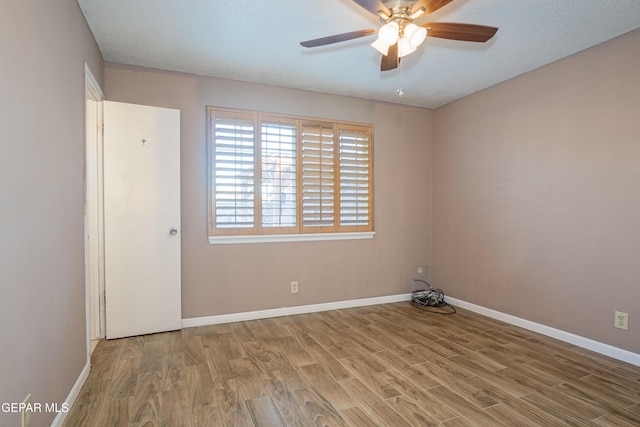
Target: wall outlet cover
x,y
621,320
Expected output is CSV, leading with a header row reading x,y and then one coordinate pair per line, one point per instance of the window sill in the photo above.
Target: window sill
x,y
276,238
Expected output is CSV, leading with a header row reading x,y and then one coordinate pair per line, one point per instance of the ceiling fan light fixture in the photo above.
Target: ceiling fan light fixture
x,y
380,46
404,47
398,36
388,33
415,34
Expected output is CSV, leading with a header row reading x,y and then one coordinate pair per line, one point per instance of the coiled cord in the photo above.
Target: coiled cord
x,y
433,298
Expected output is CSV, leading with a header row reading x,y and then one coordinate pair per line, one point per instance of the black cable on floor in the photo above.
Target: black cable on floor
x,y
431,300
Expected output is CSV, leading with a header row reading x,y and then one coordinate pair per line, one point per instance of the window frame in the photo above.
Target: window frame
x,y
300,232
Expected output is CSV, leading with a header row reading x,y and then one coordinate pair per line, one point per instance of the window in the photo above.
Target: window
x,y
273,175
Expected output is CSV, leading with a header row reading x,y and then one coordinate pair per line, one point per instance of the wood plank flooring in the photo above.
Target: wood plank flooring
x,y
384,365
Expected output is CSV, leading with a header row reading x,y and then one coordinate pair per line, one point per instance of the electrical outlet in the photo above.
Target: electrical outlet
x,y
294,286
621,320
25,410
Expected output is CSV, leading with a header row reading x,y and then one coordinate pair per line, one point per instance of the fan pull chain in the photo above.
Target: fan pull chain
x,y
400,91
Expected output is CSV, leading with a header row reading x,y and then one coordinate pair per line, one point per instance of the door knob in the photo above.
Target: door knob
x,y
173,231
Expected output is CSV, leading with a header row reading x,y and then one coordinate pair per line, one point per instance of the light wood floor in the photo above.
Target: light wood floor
x,y
386,365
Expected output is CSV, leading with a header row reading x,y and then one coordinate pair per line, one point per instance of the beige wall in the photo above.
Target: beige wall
x,y
43,47
537,194
221,279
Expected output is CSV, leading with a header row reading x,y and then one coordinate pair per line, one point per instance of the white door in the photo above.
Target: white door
x,y
141,219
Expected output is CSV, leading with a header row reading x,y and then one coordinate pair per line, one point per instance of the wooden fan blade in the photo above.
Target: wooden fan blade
x,y
390,60
464,32
374,6
430,6
336,38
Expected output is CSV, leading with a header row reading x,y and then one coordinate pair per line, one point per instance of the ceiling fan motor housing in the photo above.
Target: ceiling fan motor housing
x,y
390,4
399,9
400,12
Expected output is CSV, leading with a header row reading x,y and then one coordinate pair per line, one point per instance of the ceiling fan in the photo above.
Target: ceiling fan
x,y
399,36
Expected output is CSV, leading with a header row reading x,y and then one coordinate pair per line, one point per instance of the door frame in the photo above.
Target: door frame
x,y
93,211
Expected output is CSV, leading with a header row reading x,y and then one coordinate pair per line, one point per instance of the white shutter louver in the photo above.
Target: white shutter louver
x,y
234,166
354,146
318,206
278,161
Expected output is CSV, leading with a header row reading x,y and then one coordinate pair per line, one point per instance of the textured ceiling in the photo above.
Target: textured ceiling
x,y
258,41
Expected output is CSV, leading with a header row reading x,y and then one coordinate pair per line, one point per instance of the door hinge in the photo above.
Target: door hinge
x,y
101,128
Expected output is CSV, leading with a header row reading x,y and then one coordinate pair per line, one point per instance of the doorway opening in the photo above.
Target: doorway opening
x,y
93,211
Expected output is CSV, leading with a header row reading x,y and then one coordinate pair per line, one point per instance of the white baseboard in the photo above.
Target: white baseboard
x,y
589,344
287,311
73,395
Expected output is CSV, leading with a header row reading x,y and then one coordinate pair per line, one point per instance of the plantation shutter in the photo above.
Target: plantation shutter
x,y
272,174
318,179
278,171
234,167
355,180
